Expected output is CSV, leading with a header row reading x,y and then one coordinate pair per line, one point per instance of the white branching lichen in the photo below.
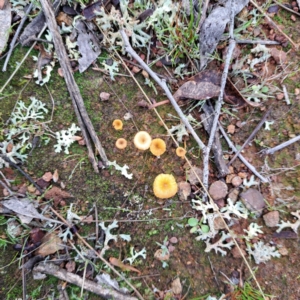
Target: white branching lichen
x,y
237,209
65,138
221,243
253,231
262,252
134,255
288,224
123,169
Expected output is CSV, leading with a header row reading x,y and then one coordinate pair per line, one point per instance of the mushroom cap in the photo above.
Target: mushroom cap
x,y
121,143
165,186
118,124
158,147
142,140
180,151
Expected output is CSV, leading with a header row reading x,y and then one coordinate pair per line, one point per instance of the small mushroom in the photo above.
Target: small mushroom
x,y
158,147
118,124
142,140
121,143
165,186
180,152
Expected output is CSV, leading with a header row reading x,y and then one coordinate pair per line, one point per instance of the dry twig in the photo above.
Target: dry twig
x,y
281,146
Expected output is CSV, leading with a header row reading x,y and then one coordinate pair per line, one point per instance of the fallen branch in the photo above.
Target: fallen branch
x,y
163,85
91,286
219,103
281,146
241,157
207,119
261,42
251,136
84,121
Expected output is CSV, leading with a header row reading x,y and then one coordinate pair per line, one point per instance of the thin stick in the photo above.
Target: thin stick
x,y
12,164
6,187
12,44
163,85
98,255
203,15
288,9
219,103
22,61
213,270
89,285
281,146
273,24
257,128
286,95
23,281
241,157
261,42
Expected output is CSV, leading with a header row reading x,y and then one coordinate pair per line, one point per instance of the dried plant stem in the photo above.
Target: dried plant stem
x,y
273,24
203,15
163,85
16,35
251,136
281,146
261,42
241,157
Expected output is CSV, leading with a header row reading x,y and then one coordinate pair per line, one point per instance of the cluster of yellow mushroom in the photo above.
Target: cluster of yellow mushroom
x,y
164,185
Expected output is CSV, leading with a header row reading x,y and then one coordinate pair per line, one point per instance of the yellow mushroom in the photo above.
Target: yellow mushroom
x,y
142,140
165,186
121,143
158,147
118,124
180,152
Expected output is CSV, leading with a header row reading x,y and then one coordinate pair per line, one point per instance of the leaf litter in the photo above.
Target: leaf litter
x,y
87,46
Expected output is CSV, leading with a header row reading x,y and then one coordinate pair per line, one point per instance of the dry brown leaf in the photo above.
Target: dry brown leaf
x,y
117,263
51,243
231,128
55,176
56,194
31,189
2,3
176,286
47,176
81,142
64,18
70,266
9,147
60,72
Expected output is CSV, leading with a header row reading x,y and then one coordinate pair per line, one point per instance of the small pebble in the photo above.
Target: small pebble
x,y
271,218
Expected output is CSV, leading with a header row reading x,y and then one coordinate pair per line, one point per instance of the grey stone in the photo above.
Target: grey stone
x,y
254,201
192,177
233,194
218,190
184,190
271,218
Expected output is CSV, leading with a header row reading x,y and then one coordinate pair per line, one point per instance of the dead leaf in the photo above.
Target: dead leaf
x,y
31,189
56,194
51,243
88,219
47,176
2,3
55,176
117,263
231,128
135,70
36,235
76,138
176,286
88,46
279,56
184,190
70,266
214,26
9,147
25,210
64,18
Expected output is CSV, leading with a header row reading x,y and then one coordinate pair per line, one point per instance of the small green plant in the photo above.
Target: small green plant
x,y
195,224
